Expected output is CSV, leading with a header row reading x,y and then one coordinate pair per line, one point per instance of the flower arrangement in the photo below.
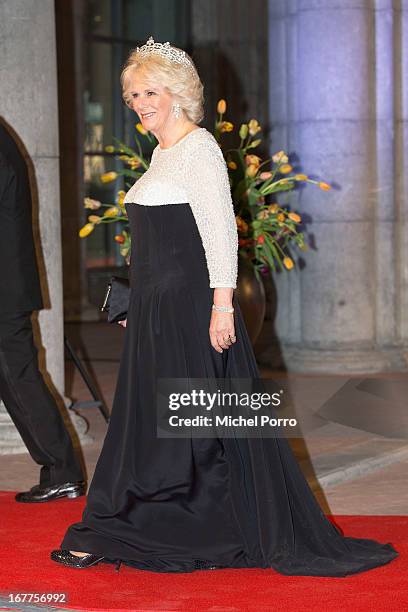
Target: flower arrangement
x,y
266,230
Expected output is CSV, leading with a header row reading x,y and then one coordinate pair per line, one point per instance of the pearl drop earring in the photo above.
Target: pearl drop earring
x,y
176,110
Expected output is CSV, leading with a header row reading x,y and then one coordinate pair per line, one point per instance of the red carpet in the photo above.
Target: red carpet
x,y
29,532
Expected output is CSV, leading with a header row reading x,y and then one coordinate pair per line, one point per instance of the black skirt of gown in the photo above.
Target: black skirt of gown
x,y
175,505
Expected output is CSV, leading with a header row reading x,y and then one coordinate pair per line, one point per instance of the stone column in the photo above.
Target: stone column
x,y
28,103
339,101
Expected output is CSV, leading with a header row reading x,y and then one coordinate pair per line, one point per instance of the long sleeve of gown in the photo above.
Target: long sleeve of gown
x,y
211,203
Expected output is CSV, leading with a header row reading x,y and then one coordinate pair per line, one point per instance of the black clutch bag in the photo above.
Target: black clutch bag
x,y
116,302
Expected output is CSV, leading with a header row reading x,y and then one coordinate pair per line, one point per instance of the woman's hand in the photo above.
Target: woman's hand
x,y
123,323
222,330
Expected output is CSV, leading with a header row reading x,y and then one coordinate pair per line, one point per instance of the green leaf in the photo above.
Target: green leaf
x,y
125,149
277,187
274,251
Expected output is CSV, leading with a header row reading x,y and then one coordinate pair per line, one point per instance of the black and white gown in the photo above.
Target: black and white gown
x,y
175,505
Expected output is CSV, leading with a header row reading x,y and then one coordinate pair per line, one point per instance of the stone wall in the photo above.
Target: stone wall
x,y
338,74
28,102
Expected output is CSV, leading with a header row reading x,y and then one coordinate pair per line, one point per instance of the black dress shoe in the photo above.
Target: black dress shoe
x,y
44,494
67,558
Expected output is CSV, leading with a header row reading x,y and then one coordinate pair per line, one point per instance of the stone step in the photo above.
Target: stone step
x,y
328,469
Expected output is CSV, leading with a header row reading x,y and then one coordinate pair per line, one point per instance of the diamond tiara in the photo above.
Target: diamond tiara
x,y
164,50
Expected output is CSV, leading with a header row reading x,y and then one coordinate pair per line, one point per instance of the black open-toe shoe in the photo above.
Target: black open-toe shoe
x,y
67,558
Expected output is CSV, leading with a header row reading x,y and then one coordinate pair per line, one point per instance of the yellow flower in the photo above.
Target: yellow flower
x,y
113,211
252,160
294,217
232,165
265,175
95,219
285,169
251,170
280,157
254,127
284,181
263,214
121,197
140,129
221,106
324,186
243,131
133,162
86,230
225,126
108,177
280,217
273,208
110,149
288,263
92,204
301,177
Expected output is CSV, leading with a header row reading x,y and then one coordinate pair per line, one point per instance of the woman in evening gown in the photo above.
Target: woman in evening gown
x,y
183,504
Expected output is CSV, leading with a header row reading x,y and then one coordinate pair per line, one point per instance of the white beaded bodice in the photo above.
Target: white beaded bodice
x,y
194,171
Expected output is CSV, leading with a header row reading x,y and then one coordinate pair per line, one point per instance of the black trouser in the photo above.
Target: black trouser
x,y
31,405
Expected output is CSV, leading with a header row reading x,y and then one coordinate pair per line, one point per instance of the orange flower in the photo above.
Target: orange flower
x,y
265,175
294,217
301,177
280,217
288,263
251,170
120,239
252,160
221,106
95,219
324,186
232,165
273,208
241,225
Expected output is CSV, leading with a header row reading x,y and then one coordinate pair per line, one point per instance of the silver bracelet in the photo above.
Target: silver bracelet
x,y
222,308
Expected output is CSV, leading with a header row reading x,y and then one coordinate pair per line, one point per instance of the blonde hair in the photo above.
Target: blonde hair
x,y
181,81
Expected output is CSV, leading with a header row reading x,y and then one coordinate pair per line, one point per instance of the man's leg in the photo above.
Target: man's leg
x,y
31,405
